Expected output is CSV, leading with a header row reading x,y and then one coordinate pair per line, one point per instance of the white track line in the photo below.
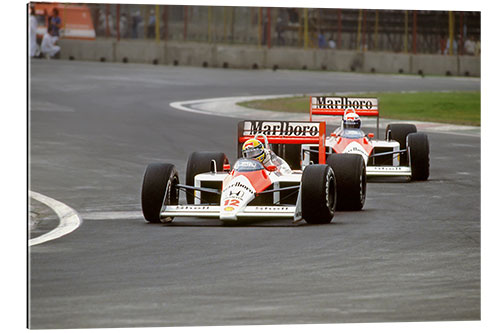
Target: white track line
x,y
68,219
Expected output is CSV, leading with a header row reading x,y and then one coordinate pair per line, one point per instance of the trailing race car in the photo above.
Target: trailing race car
x,y
404,152
250,189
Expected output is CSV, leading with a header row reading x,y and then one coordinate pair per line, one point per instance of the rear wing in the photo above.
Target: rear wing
x,y
336,106
285,132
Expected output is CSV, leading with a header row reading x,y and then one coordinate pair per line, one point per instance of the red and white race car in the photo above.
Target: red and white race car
x,y
250,190
404,152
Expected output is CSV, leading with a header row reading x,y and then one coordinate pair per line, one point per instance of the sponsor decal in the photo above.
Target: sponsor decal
x,y
274,209
358,103
389,168
191,208
352,149
231,202
235,194
238,186
229,209
246,164
283,128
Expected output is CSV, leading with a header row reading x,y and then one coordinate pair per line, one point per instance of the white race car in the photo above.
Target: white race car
x,y
250,190
404,152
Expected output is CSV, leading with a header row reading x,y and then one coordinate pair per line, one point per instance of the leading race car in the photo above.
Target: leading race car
x,y
251,189
404,152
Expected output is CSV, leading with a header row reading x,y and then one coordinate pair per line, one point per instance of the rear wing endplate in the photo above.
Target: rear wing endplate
x,y
285,132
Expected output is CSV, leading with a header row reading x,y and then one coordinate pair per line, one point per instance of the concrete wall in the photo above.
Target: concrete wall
x,y
239,56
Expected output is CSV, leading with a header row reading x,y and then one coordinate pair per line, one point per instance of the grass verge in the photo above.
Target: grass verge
x,y
463,108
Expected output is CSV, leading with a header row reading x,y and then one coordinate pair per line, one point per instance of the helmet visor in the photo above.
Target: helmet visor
x,y
252,152
352,123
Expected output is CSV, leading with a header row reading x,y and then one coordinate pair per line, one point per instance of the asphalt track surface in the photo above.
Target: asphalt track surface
x,y
412,254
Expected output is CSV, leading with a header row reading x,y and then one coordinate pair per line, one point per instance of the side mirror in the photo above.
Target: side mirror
x,y
371,135
333,135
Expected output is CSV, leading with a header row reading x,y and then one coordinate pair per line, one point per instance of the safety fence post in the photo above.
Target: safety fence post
x,y
145,14
118,22
224,15
406,33
185,22
107,21
306,28
414,39
63,18
450,28
165,21
364,32
260,26
461,45
231,16
358,36
209,30
268,27
339,28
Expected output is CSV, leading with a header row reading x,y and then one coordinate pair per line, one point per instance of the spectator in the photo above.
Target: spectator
x,y
293,15
280,28
469,46
447,50
151,24
49,47
55,22
136,19
106,24
123,25
321,40
477,48
331,43
33,26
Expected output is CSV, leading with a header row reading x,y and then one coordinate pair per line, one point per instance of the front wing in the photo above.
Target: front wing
x,y
214,211
388,171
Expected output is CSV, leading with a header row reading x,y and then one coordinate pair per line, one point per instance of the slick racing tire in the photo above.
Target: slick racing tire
x,y
199,162
418,149
399,132
158,187
350,173
318,194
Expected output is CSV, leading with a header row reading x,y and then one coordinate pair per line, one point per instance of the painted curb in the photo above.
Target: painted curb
x,y
69,220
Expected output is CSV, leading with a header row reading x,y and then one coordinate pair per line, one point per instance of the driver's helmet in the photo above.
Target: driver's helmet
x,y
254,149
352,120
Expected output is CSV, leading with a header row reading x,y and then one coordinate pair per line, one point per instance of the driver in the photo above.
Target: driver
x,y
254,149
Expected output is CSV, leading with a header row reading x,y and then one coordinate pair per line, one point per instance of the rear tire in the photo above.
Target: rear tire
x,y
199,162
418,148
350,173
158,187
399,132
318,194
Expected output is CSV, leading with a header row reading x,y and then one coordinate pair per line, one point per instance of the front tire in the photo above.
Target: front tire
x,y
350,173
418,148
318,194
158,188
